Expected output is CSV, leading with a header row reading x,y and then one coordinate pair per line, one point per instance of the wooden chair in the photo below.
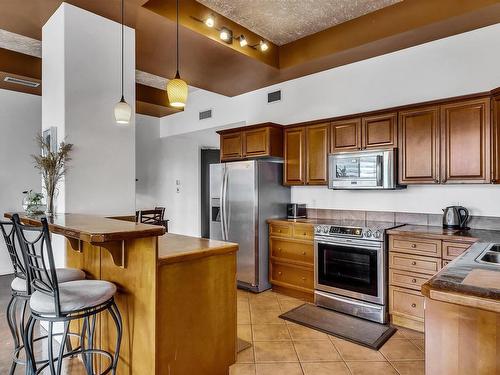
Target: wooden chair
x,y
164,222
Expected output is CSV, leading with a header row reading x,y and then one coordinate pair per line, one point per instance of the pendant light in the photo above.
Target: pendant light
x,y
177,89
123,111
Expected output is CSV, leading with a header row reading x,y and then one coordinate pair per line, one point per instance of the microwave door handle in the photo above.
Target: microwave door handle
x,y
380,173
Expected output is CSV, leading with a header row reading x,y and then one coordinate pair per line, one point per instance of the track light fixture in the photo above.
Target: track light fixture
x,y
243,41
226,35
210,21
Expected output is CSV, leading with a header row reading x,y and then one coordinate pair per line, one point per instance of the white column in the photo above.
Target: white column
x,y
81,70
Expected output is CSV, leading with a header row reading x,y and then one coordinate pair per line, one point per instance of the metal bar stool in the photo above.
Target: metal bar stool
x,y
19,292
53,302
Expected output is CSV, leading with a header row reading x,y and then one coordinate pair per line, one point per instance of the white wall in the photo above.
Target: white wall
x,y
147,161
458,65
81,74
20,121
180,160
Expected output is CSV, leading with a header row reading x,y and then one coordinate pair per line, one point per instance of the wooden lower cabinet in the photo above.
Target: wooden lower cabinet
x,y
406,307
291,254
413,260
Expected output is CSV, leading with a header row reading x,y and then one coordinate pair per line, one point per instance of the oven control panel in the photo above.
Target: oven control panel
x,y
340,231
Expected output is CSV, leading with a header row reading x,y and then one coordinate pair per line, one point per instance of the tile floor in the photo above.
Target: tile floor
x,y
280,347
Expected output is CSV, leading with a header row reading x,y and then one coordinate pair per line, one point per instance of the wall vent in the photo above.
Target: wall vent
x,y
23,82
203,115
274,96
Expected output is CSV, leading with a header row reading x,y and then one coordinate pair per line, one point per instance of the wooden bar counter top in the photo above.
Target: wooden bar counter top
x,y
176,294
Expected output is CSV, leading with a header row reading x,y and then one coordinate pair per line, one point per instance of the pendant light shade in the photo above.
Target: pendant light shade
x,y
123,111
177,89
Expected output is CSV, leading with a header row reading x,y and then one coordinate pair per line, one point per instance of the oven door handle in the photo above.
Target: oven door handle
x,y
376,247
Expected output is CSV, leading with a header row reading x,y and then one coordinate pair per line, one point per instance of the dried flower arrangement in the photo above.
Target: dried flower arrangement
x,y
52,166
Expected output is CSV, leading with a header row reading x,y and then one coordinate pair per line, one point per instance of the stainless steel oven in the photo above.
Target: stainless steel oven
x,y
350,270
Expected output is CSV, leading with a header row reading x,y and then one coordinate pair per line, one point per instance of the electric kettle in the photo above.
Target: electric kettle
x,y
455,217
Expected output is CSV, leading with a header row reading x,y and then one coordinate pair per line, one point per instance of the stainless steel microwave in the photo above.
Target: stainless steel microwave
x,y
369,169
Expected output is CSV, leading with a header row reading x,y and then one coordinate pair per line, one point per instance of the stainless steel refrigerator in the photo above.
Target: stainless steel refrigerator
x,y
243,195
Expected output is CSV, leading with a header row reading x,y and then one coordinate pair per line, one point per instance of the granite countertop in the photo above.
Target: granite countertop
x,y
464,281
175,248
93,228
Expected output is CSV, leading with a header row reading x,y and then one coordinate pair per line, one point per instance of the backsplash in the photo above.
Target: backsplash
x,y
476,222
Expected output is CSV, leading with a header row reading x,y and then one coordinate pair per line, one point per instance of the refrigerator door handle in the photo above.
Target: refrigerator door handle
x,y
222,220
225,236
227,209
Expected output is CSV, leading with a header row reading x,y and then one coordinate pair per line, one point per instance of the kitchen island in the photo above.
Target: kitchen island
x,y
176,294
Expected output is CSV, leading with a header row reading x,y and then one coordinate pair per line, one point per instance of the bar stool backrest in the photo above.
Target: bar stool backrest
x,y
15,254
153,217
37,251
162,210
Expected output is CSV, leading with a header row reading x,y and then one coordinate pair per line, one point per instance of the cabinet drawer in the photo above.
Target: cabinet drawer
x,y
406,302
414,263
407,279
299,277
415,245
292,250
303,231
453,249
280,229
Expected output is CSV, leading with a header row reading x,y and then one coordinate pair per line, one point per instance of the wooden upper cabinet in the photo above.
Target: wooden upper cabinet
x,y
379,131
345,135
465,141
317,154
254,141
231,146
294,150
419,146
495,152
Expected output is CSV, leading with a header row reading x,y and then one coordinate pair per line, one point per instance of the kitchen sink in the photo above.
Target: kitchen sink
x,y
491,255
495,247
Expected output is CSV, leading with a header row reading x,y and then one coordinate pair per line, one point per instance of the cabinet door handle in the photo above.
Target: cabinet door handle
x,y
413,245
413,305
305,233
303,279
303,253
413,281
413,263
279,273
279,230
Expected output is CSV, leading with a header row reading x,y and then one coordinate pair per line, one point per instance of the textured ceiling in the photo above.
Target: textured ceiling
x,y
283,21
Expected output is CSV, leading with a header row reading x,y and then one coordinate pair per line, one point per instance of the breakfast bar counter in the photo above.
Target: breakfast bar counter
x,y
176,294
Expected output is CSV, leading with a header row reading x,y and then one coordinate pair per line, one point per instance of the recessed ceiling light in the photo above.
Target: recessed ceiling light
x,y
243,41
210,21
226,35
263,46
